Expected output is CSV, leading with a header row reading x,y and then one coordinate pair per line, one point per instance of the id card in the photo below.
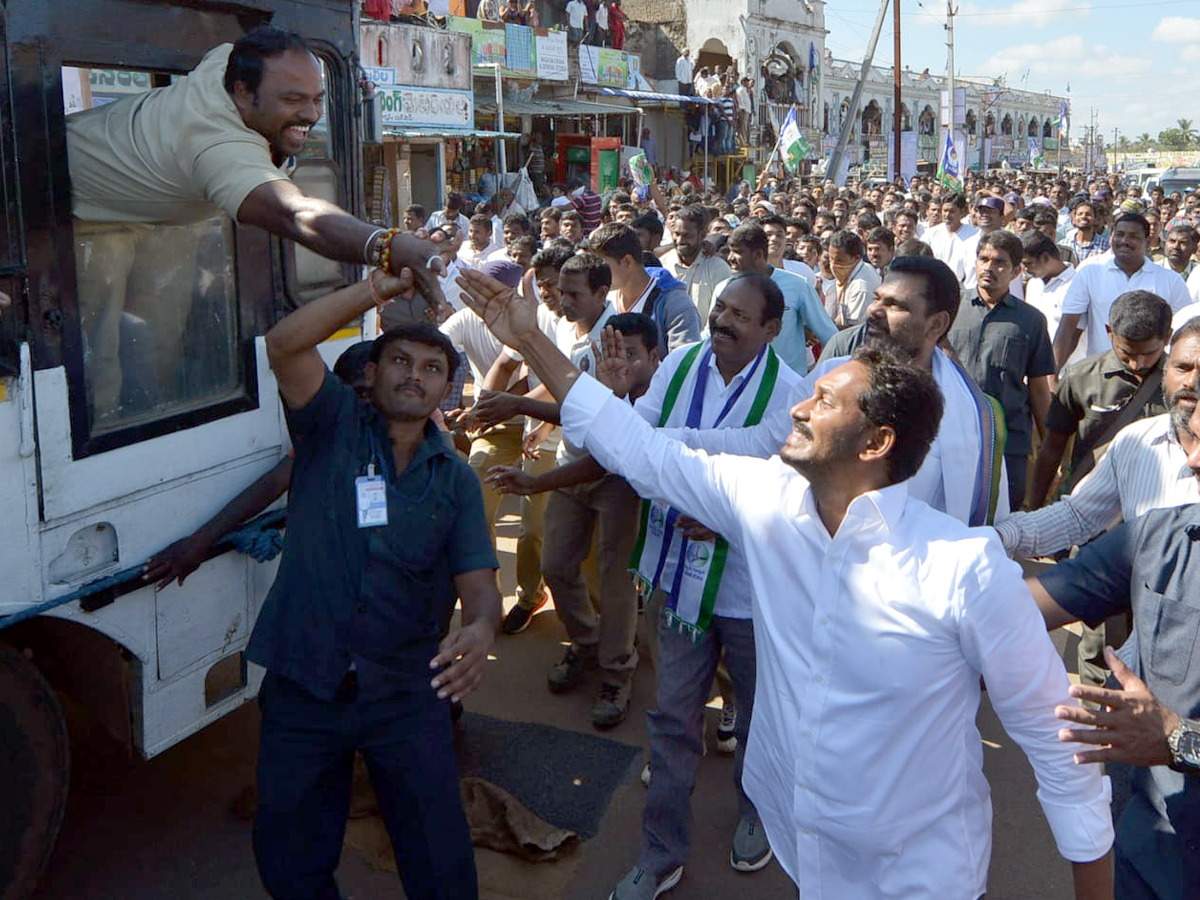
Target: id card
x,y
370,495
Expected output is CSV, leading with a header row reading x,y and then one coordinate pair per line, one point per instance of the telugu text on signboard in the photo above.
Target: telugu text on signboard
x,y
415,106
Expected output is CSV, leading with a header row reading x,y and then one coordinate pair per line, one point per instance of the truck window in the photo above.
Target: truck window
x,y
158,304
319,175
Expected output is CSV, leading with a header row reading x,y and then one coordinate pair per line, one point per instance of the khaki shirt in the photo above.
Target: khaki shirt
x,y
175,154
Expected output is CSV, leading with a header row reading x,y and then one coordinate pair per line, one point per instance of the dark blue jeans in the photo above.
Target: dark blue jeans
x,y
305,762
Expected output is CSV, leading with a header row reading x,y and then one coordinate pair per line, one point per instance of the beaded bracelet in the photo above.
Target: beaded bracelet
x,y
384,260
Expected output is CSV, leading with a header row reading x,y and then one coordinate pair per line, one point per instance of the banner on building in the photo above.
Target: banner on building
x,y
611,68
908,155
417,107
552,56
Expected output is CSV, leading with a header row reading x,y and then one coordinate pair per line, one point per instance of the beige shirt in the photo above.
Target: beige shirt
x,y
701,278
174,154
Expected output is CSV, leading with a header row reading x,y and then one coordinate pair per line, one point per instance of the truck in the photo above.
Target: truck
x,y
89,491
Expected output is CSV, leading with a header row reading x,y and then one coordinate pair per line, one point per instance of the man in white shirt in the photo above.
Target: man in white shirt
x,y
954,241
1145,468
479,244
855,280
1050,278
451,212
1099,281
875,618
608,507
576,16
700,274
683,73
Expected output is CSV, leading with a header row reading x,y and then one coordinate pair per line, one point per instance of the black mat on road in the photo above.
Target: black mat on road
x,y
565,777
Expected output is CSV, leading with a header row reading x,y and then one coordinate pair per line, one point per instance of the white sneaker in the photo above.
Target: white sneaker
x,y
726,740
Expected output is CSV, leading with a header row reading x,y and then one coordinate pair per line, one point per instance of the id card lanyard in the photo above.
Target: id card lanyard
x,y
370,493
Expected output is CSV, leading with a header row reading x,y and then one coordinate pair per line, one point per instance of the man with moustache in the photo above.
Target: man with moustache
x,y
222,139
699,584
913,309
845,565
385,534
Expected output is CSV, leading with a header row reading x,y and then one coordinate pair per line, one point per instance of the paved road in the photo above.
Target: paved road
x,y
138,830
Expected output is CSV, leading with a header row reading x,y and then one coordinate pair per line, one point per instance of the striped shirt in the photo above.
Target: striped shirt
x,y
1145,468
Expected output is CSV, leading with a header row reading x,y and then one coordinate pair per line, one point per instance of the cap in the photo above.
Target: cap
x,y
991,203
507,273
1014,198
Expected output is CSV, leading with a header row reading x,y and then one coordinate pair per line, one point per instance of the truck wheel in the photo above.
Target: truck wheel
x,y
35,769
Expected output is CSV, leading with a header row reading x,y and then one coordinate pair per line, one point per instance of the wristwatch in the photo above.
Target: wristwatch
x,y
1184,742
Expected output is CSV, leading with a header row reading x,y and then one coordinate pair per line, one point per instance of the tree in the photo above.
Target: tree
x,y
1143,141
1186,131
1172,139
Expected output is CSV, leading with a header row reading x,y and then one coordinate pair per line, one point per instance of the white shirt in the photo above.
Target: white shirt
x,y
1193,285
1144,468
805,271
1185,315
602,16
576,11
701,277
850,301
469,256
733,596
470,335
683,70
450,288
1047,298
947,478
864,760
956,249
1099,282
438,219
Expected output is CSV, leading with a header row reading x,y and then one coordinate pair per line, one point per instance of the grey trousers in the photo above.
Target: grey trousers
x,y
684,675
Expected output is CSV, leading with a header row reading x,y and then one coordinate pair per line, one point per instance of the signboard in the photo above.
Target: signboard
x,y
908,155
380,77
603,66
551,55
417,106
417,56
960,106
517,49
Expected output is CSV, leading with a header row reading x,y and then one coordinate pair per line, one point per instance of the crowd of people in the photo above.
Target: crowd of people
x,y
1040,336
814,422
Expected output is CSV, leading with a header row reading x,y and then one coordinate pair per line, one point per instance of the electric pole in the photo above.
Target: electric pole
x,y
835,161
896,118
950,11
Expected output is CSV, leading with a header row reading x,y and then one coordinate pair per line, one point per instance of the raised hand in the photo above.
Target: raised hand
x,y
1133,726
509,315
613,370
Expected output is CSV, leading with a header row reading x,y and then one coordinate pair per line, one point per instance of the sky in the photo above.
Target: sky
x,y
1133,62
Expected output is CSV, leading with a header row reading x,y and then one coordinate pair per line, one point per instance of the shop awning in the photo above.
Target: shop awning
x,y
538,107
655,97
446,131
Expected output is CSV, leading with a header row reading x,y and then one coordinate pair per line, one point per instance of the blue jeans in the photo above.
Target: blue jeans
x,y
684,671
305,763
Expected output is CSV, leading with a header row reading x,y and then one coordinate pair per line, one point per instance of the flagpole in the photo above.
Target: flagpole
x,y
774,151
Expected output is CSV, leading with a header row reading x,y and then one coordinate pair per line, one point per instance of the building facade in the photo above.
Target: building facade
x,y
997,122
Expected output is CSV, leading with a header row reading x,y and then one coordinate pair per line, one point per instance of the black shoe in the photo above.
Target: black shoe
x,y
519,617
567,675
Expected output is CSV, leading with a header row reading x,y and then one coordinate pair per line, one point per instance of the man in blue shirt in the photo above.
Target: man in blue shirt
x,y
804,318
1151,566
386,531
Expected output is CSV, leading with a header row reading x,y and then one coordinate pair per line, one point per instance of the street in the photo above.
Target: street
x,y
137,830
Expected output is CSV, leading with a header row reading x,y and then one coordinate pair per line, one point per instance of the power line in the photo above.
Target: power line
x,y
1027,13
